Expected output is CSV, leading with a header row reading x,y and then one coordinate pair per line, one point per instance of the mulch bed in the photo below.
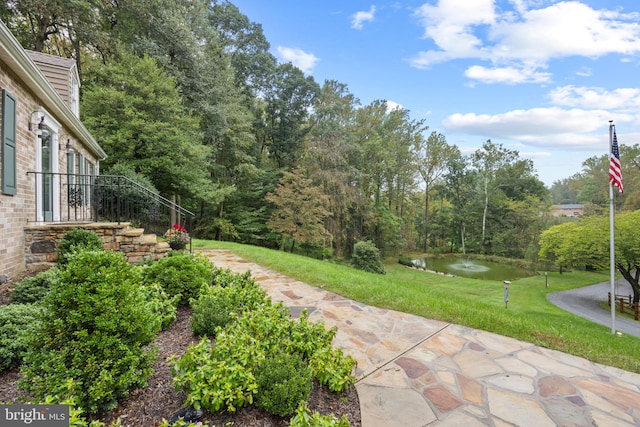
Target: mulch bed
x,y
159,400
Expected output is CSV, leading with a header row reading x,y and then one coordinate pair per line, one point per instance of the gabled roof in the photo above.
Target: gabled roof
x,y
56,61
23,66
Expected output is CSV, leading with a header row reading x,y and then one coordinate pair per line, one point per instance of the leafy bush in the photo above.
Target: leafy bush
x,y
33,289
181,273
223,376
284,380
94,328
332,368
164,307
217,305
366,257
16,322
406,261
216,378
304,418
75,240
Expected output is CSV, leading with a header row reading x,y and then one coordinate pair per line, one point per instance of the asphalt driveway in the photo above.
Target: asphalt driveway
x,y
584,302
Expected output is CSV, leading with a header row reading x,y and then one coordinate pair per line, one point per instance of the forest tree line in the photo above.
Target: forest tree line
x,y
185,95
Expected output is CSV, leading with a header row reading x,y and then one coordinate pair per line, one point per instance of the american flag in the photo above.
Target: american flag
x,y
615,174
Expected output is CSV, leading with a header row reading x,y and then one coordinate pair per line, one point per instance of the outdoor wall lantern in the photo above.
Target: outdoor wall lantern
x,y
42,127
44,134
69,146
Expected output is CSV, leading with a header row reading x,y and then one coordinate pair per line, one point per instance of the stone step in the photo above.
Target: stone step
x,y
149,239
134,232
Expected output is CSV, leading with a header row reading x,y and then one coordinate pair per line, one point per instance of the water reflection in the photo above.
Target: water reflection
x,y
474,269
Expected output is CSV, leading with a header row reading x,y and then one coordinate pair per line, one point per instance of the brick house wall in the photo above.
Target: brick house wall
x,y
34,98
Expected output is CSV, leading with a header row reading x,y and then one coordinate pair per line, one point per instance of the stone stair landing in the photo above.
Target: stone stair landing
x,y
41,242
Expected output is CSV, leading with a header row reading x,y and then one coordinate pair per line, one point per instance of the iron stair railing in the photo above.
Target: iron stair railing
x,y
64,197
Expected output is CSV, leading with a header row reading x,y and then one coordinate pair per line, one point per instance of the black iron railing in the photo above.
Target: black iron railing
x,y
64,197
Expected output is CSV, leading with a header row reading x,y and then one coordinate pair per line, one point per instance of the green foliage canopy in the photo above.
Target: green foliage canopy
x,y
587,243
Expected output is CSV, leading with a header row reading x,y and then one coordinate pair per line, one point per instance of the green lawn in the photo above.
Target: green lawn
x,y
474,303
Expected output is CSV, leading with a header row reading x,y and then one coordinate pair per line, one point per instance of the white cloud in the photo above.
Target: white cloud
x,y
393,106
554,127
535,154
584,72
358,18
596,97
450,25
298,57
523,39
509,75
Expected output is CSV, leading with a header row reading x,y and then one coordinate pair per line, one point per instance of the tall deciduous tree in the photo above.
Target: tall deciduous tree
x,y
300,210
432,164
289,98
459,184
134,110
329,158
246,44
487,161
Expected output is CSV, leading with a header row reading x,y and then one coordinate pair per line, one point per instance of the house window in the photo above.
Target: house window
x,y
47,169
75,97
8,143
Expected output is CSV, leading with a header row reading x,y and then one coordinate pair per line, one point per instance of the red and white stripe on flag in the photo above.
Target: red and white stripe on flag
x,y
615,173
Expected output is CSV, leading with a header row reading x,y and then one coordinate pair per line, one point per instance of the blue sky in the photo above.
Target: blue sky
x,y
541,77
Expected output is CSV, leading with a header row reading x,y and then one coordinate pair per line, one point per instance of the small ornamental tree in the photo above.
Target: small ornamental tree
x,y
300,210
587,243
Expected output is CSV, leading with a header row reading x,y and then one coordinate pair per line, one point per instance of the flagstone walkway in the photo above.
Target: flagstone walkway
x,y
416,372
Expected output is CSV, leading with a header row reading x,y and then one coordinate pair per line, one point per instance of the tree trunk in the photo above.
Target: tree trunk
x,y
486,208
426,218
462,230
632,279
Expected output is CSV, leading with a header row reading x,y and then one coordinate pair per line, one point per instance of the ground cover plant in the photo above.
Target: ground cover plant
x,y
259,356
474,303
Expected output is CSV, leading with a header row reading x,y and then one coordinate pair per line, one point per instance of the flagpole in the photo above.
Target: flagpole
x,y
612,246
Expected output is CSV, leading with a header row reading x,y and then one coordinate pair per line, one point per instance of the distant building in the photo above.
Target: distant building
x,y
570,210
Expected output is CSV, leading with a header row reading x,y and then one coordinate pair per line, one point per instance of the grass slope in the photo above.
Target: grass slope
x,y
474,303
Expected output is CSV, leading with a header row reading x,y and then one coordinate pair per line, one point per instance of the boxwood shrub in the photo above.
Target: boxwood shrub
x,y
94,329
33,289
180,273
16,323
284,380
366,257
232,295
75,240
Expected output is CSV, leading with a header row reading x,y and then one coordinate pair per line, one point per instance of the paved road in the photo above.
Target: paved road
x,y
584,302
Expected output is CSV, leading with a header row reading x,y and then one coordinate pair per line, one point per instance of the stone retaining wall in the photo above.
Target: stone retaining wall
x,y
41,242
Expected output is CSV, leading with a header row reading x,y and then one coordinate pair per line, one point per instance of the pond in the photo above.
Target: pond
x,y
473,269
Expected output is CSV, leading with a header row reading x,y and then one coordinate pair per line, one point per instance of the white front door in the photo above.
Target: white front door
x,y
47,169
